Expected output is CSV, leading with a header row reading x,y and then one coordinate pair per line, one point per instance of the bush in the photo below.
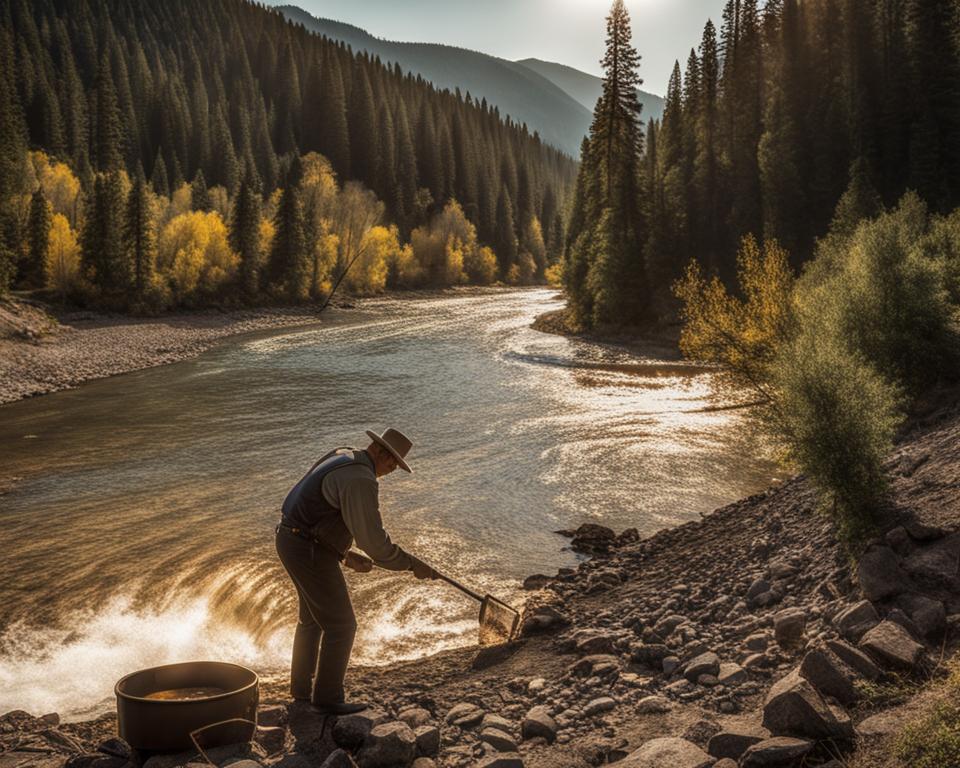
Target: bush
x,y
836,417
193,254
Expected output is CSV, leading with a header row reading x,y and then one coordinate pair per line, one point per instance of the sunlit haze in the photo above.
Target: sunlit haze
x,y
570,32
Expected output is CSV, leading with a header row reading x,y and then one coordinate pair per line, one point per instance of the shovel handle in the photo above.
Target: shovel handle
x,y
476,596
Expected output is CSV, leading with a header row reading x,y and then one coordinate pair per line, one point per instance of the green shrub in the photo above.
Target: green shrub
x,y
836,417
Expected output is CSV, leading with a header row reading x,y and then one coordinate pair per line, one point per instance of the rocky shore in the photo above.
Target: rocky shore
x,y
749,638
41,353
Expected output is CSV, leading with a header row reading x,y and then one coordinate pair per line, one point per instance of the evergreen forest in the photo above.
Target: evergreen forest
x,y
184,153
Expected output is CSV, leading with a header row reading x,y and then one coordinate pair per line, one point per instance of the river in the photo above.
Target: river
x,y
141,531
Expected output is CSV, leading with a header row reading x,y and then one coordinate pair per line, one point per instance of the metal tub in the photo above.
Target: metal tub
x,y
166,724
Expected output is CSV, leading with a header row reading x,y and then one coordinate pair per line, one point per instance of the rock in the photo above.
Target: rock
x,y
854,622
829,675
667,751
667,624
794,708
427,738
272,715
899,617
272,739
415,717
592,539
922,531
880,575
423,762
116,747
937,563
758,641
670,664
242,764
731,674
500,741
538,723
387,746
725,763
491,720
93,760
733,742
649,654
856,659
788,627
759,587
650,705
599,706
705,664
899,540
543,617
464,715
599,664
928,615
502,760
777,752
892,645
337,759
536,581
351,731
880,725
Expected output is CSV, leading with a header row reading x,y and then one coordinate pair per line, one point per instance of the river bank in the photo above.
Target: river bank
x,y
747,638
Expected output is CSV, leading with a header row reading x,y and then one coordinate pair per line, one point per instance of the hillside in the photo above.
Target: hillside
x,y
586,88
516,90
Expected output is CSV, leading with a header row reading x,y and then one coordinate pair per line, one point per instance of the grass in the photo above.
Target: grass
x,y
932,740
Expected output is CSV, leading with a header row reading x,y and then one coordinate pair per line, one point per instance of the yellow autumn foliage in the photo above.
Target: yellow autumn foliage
x,y
60,186
378,248
63,257
194,255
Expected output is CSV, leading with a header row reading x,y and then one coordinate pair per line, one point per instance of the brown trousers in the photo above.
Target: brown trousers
x,y
326,626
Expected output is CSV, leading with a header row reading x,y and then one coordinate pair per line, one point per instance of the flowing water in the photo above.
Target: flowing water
x,y
141,532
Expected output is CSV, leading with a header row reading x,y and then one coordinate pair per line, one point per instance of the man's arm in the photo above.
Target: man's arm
x,y
360,508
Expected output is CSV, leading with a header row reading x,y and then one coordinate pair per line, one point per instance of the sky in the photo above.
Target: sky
x,y
570,32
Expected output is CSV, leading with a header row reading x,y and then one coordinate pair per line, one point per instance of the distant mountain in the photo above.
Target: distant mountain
x,y
516,89
586,88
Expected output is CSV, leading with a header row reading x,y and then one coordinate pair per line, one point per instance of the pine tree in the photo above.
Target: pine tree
x,y
505,244
362,122
245,239
38,239
407,174
289,265
334,133
158,178
109,135
104,260
199,195
139,238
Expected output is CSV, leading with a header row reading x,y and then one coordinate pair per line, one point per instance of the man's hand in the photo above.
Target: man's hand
x,y
421,570
357,562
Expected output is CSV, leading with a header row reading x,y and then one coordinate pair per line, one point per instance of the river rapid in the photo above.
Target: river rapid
x,y
141,532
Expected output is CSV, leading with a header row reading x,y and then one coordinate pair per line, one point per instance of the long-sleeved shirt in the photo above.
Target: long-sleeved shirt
x,y
355,490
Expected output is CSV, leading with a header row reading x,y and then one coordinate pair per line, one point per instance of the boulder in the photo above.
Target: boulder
x,y
651,705
350,731
667,751
273,739
427,738
891,644
733,742
777,752
937,563
593,539
387,746
856,659
536,581
794,708
599,706
928,615
829,675
880,725
415,717
731,674
464,715
853,622
423,762
272,715
649,654
705,664
491,720
500,741
538,723
598,664
788,627
879,574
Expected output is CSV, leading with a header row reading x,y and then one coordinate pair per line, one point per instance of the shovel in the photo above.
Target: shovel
x,y
498,621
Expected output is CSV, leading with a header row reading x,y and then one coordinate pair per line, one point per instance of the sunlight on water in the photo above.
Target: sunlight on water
x,y
156,492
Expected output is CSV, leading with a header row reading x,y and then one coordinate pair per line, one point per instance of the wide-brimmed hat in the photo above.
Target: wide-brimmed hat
x,y
396,442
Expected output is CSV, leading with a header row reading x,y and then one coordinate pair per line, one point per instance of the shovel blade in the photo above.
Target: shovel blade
x,y
499,623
